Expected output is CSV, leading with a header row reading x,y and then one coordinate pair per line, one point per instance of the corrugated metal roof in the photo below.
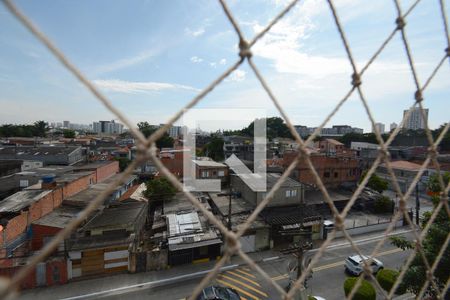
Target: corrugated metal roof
x,y
21,200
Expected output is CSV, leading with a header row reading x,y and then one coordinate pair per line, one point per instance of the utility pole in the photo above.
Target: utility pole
x,y
302,245
417,204
229,200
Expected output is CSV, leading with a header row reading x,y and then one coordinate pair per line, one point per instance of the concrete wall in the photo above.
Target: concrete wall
x,y
369,228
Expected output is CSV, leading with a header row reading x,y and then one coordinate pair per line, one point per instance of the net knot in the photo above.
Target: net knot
x,y
400,23
447,50
244,49
418,96
232,244
356,80
338,222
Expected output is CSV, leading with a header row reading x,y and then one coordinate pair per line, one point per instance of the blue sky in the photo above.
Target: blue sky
x,y
152,57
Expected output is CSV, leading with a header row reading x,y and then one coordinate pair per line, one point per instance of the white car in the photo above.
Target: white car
x,y
355,264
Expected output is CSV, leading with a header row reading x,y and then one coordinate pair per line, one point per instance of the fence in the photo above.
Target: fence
x,y
368,226
146,150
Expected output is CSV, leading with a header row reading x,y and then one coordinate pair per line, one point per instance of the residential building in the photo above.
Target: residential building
x,y
416,120
240,146
393,126
66,124
334,171
378,126
206,168
405,173
107,127
334,131
108,242
173,160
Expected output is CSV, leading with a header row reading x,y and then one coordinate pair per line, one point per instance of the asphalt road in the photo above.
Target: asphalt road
x,y
327,280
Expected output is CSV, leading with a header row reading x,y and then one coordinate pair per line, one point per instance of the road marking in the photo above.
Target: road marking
x,y
245,273
242,277
245,285
237,289
339,263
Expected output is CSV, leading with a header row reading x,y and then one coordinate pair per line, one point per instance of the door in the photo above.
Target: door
x,y
248,243
41,274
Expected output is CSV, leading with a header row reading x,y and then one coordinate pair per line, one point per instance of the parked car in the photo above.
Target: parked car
x,y
218,293
327,224
355,264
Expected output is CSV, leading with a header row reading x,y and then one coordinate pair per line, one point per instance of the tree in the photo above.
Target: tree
x,y
416,275
365,291
40,128
214,148
383,205
147,130
433,182
123,163
386,278
69,133
375,182
159,189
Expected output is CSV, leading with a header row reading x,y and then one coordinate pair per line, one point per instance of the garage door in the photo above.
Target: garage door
x,y
248,243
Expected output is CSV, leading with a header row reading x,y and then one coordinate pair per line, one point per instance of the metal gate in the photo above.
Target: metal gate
x,y
41,274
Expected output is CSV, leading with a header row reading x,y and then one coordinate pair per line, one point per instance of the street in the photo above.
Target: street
x,y
327,280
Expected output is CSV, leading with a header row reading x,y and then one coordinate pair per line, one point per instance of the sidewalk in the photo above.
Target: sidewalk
x,y
164,277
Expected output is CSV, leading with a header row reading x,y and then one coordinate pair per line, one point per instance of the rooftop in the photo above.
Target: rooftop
x,y
403,165
21,200
123,215
209,163
59,217
36,150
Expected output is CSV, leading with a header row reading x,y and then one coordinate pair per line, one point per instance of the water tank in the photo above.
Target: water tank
x,y
48,178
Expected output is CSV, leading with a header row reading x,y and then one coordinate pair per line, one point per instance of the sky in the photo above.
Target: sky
x,y
152,57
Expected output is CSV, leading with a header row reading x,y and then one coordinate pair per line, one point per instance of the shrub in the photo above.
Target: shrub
x,y
387,277
383,205
365,291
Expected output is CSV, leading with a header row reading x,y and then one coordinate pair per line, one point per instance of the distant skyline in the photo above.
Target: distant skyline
x,y
151,57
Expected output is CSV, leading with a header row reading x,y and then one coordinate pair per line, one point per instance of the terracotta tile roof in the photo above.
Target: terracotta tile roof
x,y
404,165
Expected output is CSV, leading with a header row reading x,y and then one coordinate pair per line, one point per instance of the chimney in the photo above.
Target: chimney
x,y
48,182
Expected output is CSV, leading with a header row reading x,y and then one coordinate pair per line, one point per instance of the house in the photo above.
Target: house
x,y
206,168
289,193
332,170
49,155
106,243
185,234
405,172
172,159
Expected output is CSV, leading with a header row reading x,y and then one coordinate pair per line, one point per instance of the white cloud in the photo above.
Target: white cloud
x,y
126,62
213,64
195,33
238,75
123,86
223,61
196,59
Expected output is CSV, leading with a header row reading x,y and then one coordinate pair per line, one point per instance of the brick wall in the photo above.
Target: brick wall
x,y
333,170
78,185
39,232
107,170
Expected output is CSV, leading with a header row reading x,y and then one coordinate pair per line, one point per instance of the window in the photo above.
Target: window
x,y
326,174
205,174
335,174
288,193
294,193
221,173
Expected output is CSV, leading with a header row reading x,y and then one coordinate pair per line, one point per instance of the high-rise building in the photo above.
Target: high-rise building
x,y
379,126
66,124
108,127
393,126
415,120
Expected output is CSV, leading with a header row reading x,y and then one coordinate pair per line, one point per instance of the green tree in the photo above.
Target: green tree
x,y
159,189
365,291
375,182
416,275
214,148
433,182
386,278
40,128
383,205
123,163
147,130
69,133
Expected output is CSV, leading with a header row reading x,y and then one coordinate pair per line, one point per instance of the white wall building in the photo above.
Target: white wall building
x,y
415,120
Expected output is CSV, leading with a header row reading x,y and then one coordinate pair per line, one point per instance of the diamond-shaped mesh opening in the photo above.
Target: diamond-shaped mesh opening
x,y
146,150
